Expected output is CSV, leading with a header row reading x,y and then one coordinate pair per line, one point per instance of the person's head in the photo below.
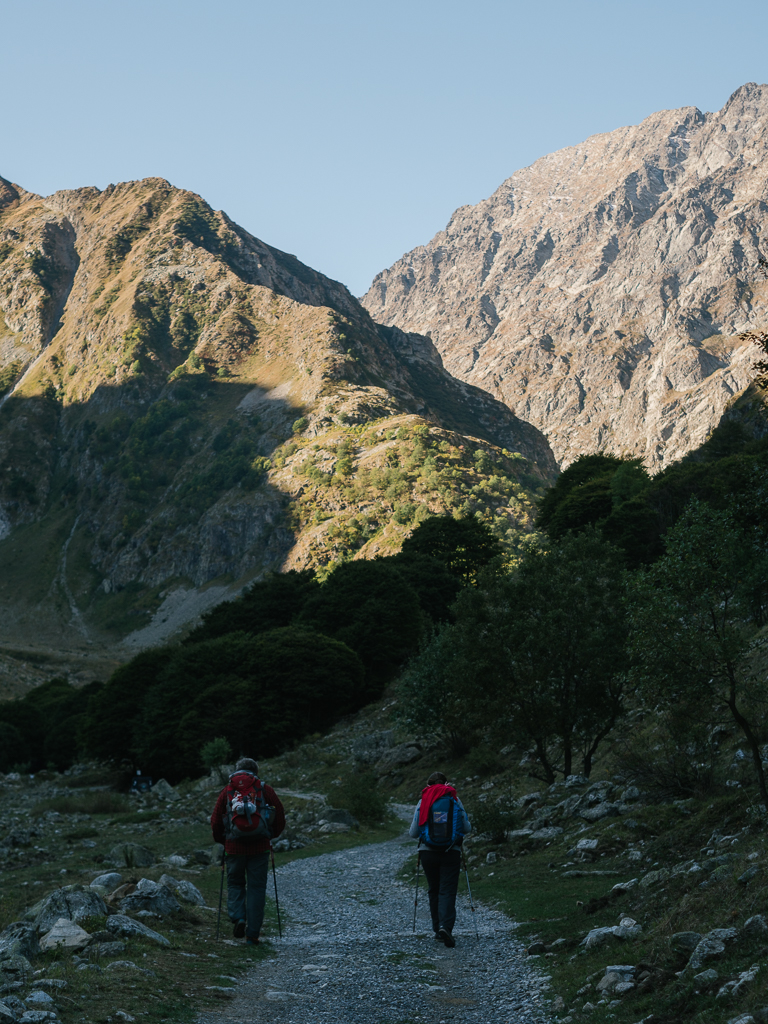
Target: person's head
x,y
437,778
247,764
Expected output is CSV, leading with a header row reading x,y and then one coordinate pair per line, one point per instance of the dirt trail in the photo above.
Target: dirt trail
x,y
348,955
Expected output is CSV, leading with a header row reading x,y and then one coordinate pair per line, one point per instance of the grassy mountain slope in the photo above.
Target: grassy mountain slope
x,y
183,407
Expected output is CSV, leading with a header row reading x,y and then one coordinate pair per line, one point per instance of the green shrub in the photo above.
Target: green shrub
x,y
492,819
215,752
358,795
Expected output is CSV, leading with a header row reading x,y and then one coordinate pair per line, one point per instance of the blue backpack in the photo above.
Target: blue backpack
x,y
443,825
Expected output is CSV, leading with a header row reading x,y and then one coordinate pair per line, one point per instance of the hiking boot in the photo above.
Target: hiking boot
x,y
251,942
446,937
239,930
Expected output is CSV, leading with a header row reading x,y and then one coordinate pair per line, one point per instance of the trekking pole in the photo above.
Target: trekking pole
x,y
221,894
277,901
469,890
416,900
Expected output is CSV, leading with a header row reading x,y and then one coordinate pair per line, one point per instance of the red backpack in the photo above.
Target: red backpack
x,y
248,815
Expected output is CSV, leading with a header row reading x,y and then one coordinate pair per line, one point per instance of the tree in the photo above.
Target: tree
x,y
593,472
694,622
368,606
114,715
275,601
435,585
260,693
463,545
536,655
436,691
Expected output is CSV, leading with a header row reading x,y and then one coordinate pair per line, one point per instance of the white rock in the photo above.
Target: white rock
x,y
65,933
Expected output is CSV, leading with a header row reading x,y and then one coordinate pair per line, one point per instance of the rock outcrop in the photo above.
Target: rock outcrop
x,y
600,292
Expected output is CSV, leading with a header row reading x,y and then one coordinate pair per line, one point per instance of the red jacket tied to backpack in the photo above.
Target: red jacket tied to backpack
x,y
428,796
248,813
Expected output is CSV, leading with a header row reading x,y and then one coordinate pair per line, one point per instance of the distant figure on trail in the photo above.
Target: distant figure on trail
x,y
247,816
440,824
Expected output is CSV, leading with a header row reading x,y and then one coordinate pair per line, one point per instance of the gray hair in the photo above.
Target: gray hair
x,y
247,764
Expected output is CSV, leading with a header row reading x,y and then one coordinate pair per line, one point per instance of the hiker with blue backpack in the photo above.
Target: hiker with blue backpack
x,y
247,816
440,824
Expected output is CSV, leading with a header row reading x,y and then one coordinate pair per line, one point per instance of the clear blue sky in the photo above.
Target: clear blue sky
x,y
347,131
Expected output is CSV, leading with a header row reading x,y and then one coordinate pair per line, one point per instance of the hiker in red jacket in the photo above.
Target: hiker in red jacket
x,y
248,814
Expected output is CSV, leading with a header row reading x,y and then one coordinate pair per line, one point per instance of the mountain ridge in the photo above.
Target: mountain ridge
x,y
601,291
185,407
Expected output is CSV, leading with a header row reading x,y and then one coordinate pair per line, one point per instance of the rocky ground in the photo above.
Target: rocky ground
x,y
349,953
627,906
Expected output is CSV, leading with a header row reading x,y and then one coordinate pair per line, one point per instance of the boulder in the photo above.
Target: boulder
x,y
119,924
627,928
404,753
685,942
39,1000
748,875
653,877
546,834
340,816
755,926
333,826
724,934
707,949
598,937
18,939
587,844
14,971
576,780
73,902
38,1017
599,811
131,855
630,794
122,891
373,747
176,860
708,977
108,949
110,880
65,933
608,982
183,890
164,790
7,1016
152,897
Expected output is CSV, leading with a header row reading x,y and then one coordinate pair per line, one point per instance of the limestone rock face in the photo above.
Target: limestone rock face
x,y
600,291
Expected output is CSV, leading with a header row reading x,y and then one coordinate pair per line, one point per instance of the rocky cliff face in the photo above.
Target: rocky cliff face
x,y
600,292
183,407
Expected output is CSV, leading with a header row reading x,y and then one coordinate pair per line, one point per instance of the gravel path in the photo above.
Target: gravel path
x,y
348,955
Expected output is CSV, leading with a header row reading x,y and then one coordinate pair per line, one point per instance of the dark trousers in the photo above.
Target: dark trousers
x,y
442,871
247,889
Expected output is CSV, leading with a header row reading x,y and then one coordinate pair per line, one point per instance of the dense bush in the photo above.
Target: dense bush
x,y
46,727
359,795
259,693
